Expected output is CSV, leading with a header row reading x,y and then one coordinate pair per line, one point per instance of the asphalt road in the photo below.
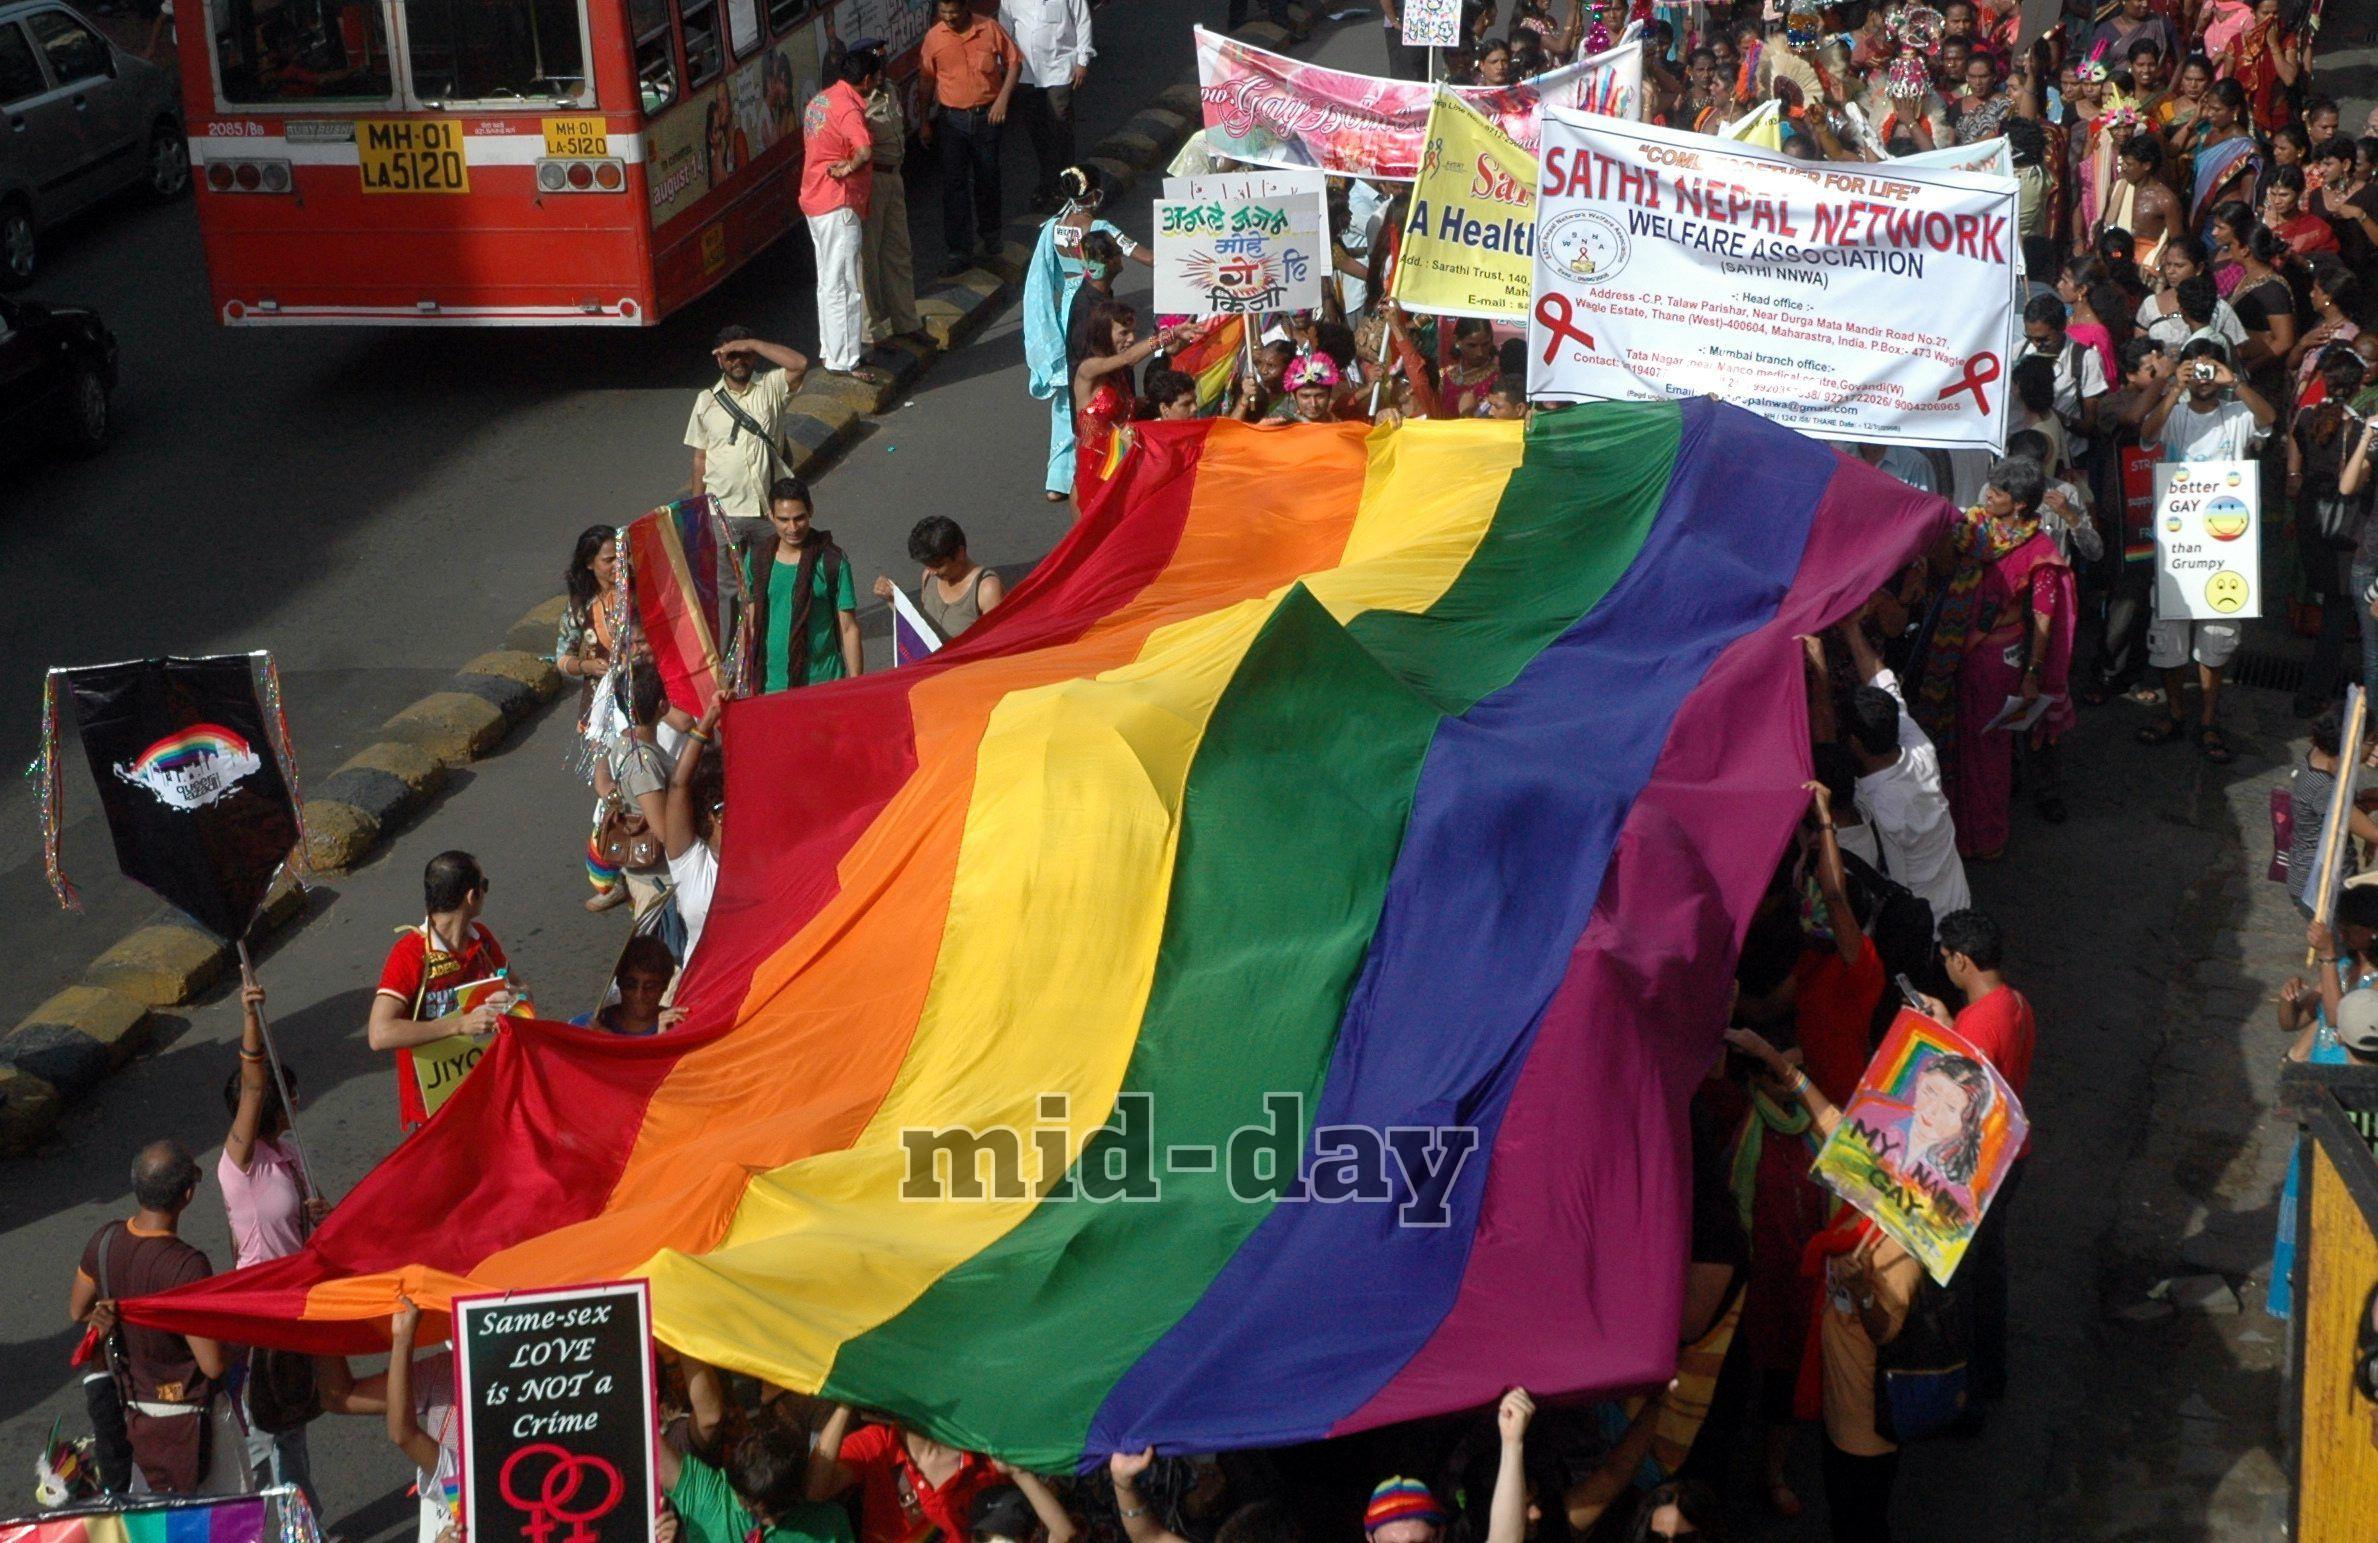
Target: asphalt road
x,y
376,508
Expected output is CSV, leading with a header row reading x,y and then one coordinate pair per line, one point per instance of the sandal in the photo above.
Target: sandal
x,y
2095,696
2216,748
2161,732
2145,696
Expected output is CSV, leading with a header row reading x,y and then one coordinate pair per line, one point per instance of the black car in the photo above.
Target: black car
x,y
57,365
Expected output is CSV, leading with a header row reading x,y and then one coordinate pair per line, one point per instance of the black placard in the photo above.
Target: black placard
x,y
557,1433
189,781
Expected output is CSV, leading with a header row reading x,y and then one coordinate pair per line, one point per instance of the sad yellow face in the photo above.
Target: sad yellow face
x,y
2226,592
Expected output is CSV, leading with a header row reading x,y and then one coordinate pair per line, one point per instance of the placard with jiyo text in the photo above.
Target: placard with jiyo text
x,y
2208,541
1847,301
555,1393
1238,256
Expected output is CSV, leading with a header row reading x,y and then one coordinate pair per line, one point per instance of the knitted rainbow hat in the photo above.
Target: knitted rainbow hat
x,y
1401,1500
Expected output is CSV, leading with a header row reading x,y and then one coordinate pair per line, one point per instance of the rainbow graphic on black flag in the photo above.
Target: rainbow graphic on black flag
x,y
192,768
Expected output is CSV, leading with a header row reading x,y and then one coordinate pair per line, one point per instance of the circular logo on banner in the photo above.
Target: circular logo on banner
x,y
2226,518
2226,592
1585,246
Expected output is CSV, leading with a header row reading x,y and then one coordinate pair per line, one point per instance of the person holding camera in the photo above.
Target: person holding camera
x,y
2206,414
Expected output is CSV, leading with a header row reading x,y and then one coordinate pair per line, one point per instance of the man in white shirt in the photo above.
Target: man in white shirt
x,y
1054,38
2080,374
1899,788
2198,420
1906,463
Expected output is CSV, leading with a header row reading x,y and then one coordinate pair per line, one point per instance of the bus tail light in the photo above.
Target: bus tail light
x,y
577,176
249,177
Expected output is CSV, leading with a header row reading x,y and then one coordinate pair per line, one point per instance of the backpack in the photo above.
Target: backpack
x,y
1898,919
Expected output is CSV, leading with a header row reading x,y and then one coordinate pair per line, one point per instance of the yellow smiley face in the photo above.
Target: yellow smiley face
x,y
2226,592
2226,518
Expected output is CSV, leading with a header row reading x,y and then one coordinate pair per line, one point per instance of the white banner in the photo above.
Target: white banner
x,y
1848,301
1235,256
1262,182
2208,541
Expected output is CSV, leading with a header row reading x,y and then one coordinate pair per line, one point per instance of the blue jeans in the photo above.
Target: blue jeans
x,y
969,144
1061,440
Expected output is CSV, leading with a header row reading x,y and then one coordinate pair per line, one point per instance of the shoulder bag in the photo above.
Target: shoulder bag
x,y
1921,1382
745,423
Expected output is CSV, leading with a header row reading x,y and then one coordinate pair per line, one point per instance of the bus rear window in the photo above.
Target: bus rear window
x,y
656,54
504,51
301,51
705,53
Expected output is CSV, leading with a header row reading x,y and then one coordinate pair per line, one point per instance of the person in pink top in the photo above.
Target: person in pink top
x,y
837,173
270,1204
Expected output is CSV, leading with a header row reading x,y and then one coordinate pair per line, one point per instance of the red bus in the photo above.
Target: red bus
x,y
497,162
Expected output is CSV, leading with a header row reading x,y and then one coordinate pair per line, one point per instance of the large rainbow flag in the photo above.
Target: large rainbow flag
x,y
1323,782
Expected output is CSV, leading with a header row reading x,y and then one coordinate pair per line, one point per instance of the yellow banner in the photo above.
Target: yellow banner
x,y
1470,241
1763,128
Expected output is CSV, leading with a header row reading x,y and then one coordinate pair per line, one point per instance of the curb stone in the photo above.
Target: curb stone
x,y
72,1041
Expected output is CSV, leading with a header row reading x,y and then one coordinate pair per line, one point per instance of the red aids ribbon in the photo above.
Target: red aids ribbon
x,y
1980,371
1554,314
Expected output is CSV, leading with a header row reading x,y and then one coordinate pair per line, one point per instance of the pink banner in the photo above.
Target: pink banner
x,y
1270,110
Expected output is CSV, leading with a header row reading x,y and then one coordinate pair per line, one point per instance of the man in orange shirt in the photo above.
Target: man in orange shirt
x,y
837,173
970,65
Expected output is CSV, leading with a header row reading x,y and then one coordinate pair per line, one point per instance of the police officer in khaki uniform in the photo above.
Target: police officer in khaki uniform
x,y
885,270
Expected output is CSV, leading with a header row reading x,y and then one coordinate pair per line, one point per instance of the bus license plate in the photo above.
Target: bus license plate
x,y
580,137
411,155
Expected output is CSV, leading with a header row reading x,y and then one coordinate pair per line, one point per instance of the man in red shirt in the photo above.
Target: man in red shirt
x,y
970,65
909,1485
837,175
420,985
1996,1020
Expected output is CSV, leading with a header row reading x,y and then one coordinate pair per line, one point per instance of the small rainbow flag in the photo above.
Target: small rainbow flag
x,y
1214,358
673,562
913,637
240,1520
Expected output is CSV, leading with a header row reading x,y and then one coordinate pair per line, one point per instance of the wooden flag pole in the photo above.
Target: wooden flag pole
x,y
2336,833
280,1082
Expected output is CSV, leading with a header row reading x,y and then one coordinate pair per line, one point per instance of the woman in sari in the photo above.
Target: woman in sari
x,y
2265,58
1104,398
2002,636
2176,115
2223,160
1056,271
2222,21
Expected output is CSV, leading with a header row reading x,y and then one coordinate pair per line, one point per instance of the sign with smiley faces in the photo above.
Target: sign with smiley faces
x,y
2208,541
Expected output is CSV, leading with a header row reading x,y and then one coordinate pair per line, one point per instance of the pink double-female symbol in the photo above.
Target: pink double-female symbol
x,y
557,1499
